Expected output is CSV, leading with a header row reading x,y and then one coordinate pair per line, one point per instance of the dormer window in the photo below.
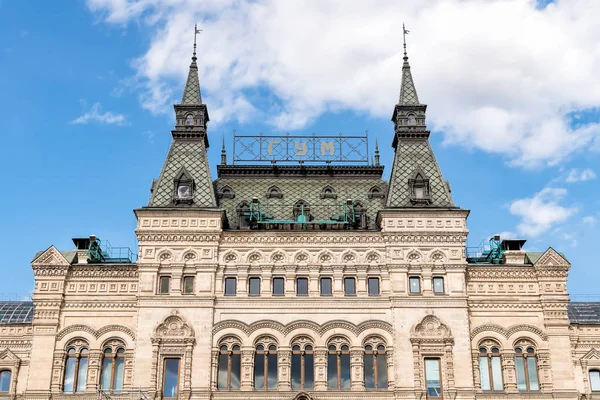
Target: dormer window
x,y
226,193
189,120
183,188
419,188
376,193
328,193
412,120
274,193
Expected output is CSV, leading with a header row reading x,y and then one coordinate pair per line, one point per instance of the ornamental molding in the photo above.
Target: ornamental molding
x,y
98,305
7,355
95,333
500,272
117,272
286,329
592,354
178,237
430,327
508,332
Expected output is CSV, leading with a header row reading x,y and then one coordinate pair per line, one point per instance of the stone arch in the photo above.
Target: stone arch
x,y
75,328
265,338
431,327
229,341
254,257
230,324
526,328
230,256
278,257
325,256
302,256
189,256
488,328
372,257
165,256
349,257
414,256
437,256
374,340
304,326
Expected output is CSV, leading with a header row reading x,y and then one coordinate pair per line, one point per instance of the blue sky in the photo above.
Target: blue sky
x,y
88,88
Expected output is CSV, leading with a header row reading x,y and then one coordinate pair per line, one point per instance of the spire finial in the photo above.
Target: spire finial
x,y
223,153
196,32
404,33
376,153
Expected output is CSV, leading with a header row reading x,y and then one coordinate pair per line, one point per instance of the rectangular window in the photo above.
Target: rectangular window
x,y
414,283
595,380
278,286
254,286
188,284
230,286
484,373
438,284
325,286
302,286
165,282
532,373
170,378
520,367
373,286
349,286
433,377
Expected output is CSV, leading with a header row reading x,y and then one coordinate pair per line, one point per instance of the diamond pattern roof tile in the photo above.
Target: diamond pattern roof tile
x,y
585,313
408,92
191,94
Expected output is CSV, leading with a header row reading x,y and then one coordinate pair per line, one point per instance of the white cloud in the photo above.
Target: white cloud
x,y
95,115
541,212
509,91
580,175
589,220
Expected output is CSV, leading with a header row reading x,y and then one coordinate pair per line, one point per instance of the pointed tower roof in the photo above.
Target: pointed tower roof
x,y
191,94
408,92
416,179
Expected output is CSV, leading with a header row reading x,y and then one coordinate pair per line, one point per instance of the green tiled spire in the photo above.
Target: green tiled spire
x,y
187,161
416,179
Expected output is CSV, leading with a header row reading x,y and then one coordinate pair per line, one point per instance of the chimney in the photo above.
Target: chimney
x,y
512,251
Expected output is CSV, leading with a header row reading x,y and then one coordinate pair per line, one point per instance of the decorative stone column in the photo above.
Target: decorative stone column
x,y
187,372
320,354
284,364
357,379
247,368
214,369
508,371
476,375
391,372
544,371
58,368
449,359
93,382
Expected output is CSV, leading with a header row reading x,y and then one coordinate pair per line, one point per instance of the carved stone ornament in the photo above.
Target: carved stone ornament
x,y
373,257
166,256
413,256
301,257
189,256
437,256
431,327
349,257
254,258
230,257
174,326
325,257
278,258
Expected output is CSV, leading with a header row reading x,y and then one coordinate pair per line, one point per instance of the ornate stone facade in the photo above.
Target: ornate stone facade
x,y
388,308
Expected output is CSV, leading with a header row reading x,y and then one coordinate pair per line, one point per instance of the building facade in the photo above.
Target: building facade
x,y
300,282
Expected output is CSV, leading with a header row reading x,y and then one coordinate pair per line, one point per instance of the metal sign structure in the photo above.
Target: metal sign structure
x,y
289,148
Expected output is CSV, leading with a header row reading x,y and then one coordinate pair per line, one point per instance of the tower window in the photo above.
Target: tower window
x,y
419,188
189,120
411,119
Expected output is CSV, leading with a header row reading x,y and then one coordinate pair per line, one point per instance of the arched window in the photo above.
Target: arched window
x,y
301,211
328,192
265,365
526,367
595,380
490,366
5,381
76,368
338,365
375,366
113,366
229,367
411,119
376,193
274,192
303,366
243,214
189,120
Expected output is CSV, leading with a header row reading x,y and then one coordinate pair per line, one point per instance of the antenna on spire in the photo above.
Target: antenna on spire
x,y
376,153
223,153
404,33
196,32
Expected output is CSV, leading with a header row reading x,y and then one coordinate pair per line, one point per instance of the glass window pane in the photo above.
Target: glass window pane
x,y
69,374
230,286
484,373
278,286
373,286
171,378
5,381
349,286
188,284
106,373
345,373
332,382
309,371
438,285
296,365
595,380
272,371
415,284
236,368
520,368
381,371
369,371
222,374
497,373
432,376
302,286
164,284
259,371
82,374
119,373
532,372
325,286
254,287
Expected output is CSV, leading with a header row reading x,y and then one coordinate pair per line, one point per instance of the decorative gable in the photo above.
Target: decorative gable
x,y
551,258
50,256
